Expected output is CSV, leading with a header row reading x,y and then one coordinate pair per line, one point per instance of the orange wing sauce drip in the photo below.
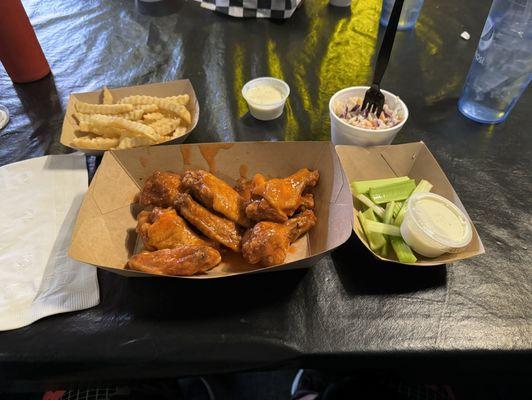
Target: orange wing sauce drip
x,y
209,152
185,153
243,170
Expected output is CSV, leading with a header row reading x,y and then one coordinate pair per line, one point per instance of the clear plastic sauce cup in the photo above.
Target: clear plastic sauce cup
x,y
266,111
433,225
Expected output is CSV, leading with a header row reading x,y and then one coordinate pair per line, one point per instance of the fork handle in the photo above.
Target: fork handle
x,y
387,42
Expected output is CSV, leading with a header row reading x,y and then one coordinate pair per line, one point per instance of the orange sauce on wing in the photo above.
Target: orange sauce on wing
x,y
292,249
209,152
185,153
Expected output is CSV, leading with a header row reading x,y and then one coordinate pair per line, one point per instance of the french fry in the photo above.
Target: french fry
x,y
147,108
166,105
165,126
105,109
152,116
130,128
107,97
133,115
130,142
139,100
98,129
178,109
80,117
95,142
179,131
182,99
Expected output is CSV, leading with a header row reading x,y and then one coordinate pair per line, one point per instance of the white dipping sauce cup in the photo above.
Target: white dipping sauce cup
x,y
421,234
266,112
344,133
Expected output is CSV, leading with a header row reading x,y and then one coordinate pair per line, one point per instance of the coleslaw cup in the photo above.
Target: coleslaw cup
x,y
344,133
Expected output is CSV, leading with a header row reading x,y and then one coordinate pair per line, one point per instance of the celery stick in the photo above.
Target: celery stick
x,y
388,214
367,202
362,187
403,252
384,250
376,240
397,208
422,187
396,191
385,229
387,219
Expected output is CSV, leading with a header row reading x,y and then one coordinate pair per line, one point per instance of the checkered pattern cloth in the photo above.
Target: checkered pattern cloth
x,y
280,9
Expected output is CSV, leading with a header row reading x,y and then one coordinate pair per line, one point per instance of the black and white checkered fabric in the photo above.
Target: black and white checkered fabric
x,y
280,9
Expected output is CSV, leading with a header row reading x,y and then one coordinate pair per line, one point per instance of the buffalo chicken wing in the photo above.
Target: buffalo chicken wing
x,y
211,225
215,194
160,189
278,199
267,242
184,260
164,229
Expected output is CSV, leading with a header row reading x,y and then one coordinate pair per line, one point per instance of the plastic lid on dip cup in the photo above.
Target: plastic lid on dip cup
x,y
4,116
433,225
266,112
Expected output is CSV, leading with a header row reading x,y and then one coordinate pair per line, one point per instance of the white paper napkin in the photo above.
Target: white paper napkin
x,y
39,202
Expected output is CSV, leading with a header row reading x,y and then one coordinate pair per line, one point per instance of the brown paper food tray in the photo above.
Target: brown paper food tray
x,y
416,161
171,88
105,236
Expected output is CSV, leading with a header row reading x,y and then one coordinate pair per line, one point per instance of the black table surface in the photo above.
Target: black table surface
x,y
348,310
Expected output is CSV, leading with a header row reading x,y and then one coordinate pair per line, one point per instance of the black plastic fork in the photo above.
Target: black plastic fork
x,y
374,99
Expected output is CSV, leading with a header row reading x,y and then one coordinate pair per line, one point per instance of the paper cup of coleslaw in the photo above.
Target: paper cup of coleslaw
x,y
351,126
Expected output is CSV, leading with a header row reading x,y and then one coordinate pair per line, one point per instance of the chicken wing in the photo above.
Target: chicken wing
x,y
307,202
214,227
215,194
160,189
184,260
164,229
278,199
267,242
243,188
143,224
260,210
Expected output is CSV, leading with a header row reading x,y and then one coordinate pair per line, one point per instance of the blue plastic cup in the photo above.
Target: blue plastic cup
x,y
502,67
409,14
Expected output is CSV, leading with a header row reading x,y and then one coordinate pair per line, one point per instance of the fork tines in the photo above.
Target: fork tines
x,y
373,100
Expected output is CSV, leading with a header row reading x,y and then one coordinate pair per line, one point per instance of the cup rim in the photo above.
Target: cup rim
x,y
270,78
366,130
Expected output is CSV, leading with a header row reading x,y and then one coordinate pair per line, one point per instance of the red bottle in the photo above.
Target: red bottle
x,y
20,51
